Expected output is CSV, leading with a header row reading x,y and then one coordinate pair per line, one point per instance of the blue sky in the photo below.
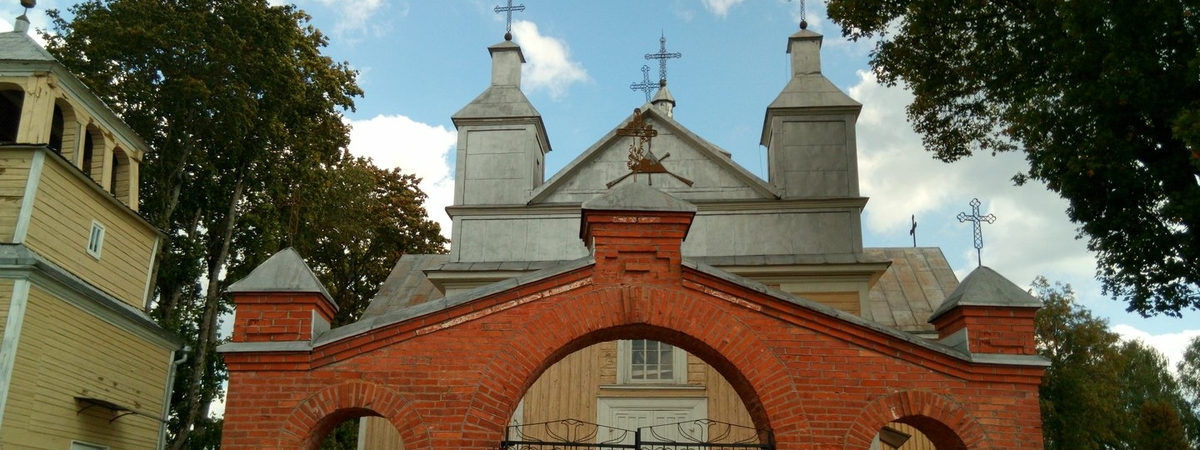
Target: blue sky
x,y
420,61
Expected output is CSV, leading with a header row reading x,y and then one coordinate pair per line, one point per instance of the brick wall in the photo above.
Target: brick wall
x,y
451,379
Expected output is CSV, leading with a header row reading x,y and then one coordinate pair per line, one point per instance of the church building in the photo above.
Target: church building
x,y
652,293
82,366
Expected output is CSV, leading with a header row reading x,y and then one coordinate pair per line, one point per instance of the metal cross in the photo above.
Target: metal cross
x,y
662,56
977,219
913,231
803,23
508,10
646,85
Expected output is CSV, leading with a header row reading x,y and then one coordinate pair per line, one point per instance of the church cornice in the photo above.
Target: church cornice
x,y
703,207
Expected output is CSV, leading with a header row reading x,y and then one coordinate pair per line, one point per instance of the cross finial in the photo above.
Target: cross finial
x,y
803,13
508,10
913,231
977,219
662,56
646,85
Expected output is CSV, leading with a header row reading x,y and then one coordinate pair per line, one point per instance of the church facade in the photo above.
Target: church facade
x,y
652,280
82,366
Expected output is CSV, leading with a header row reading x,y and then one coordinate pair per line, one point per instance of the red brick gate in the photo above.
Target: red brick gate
x,y
449,374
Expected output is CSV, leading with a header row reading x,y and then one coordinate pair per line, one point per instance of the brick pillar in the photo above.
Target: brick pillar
x,y
281,301
987,314
636,231
990,329
280,316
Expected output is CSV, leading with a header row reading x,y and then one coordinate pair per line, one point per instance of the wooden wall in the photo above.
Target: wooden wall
x,y
14,175
570,388
65,353
61,225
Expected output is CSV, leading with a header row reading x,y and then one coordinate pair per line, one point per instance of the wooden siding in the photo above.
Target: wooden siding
x,y
14,175
845,301
571,387
66,353
376,433
61,225
918,441
568,389
6,289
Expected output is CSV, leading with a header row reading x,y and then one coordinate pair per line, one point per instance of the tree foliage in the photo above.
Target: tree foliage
x,y
1189,373
242,114
1100,393
1103,98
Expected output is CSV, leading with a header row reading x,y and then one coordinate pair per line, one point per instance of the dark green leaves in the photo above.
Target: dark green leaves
x,y
1101,97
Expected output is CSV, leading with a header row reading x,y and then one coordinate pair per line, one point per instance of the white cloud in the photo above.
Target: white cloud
x,y
356,17
1032,235
720,7
548,61
1171,344
416,148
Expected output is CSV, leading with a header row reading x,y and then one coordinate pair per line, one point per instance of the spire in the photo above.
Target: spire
x,y
22,25
805,48
506,64
663,101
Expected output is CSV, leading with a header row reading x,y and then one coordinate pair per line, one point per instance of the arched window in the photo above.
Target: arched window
x,y
11,101
119,183
56,130
93,143
63,129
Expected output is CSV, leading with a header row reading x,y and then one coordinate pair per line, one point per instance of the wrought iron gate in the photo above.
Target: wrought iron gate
x,y
571,434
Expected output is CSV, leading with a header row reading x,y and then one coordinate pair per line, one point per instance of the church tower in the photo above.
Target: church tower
x,y
809,129
82,365
502,141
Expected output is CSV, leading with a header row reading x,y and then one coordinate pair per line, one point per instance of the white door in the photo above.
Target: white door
x,y
633,413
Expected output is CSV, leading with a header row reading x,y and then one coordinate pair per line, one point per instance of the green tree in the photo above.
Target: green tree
x,y
1100,393
1189,381
1078,388
1102,97
225,93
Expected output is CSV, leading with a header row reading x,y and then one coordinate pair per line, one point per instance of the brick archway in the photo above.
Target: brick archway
x,y
313,418
946,423
688,319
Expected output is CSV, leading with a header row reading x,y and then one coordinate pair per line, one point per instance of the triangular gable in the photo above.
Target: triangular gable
x,y
714,175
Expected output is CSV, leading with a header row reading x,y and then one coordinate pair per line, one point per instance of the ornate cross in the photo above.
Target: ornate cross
x,y
803,23
977,220
646,85
641,159
662,56
508,10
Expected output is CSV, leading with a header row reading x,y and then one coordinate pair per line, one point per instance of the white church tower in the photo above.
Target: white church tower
x,y
502,141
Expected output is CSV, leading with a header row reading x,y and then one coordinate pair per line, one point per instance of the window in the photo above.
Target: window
x,y
11,102
96,240
642,361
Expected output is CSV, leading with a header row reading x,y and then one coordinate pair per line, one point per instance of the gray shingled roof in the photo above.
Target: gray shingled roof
x,y
910,290
984,287
18,46
904,298
638,197
406,285
283,272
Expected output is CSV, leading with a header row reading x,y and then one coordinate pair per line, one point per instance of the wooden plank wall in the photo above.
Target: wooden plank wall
x,y
62,223
918,441
376,433
14,174
65,353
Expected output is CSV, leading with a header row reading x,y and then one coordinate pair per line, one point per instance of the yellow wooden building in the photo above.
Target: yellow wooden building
x,y
82,366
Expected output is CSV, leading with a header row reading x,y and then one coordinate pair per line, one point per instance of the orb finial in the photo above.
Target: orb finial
x,y
28,3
